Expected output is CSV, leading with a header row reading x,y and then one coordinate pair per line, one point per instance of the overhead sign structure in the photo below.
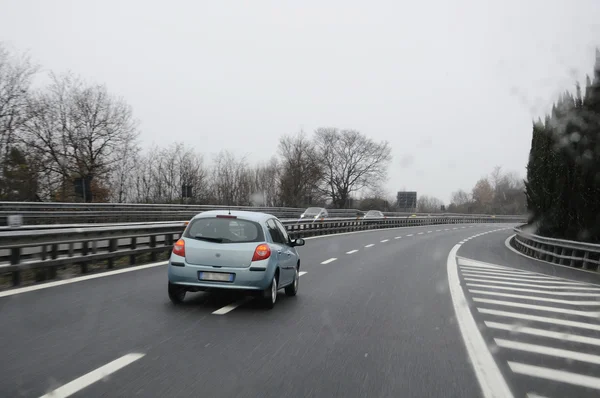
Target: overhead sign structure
x,y
407,201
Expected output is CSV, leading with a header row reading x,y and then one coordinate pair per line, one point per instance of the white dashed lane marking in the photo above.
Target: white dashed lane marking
x,y
94,376
370,245
385,240
329,260
352,251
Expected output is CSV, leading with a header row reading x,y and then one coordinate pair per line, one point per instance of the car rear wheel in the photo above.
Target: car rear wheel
x,y
270,294
292,290
176,293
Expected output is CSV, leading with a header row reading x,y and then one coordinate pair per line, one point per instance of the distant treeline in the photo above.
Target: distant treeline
x,y
563,173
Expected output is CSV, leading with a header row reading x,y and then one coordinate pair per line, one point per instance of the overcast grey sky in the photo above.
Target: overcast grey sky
x,y
452,85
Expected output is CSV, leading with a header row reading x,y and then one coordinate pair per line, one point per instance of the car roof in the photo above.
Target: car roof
x,y
244,215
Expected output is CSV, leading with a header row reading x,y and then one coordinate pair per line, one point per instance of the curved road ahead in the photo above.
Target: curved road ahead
x,y
434,311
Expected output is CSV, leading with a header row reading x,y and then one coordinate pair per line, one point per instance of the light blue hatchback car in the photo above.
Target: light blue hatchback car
x,y
235,250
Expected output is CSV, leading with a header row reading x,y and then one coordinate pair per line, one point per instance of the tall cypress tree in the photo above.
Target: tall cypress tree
x,y
563,173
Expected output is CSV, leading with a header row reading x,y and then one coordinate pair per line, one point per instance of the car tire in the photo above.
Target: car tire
x,y
176,293
292,289
270,294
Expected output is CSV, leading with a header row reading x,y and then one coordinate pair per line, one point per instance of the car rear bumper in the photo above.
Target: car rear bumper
x,y
257,277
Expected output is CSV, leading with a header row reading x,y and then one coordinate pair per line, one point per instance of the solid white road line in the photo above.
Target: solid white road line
x,y
549,351
549,292
538,307
409,235
301,273
536,298
370,245
352,251
544,319
232,306
481,279
555,375
490,379
472,263
573,338
480,271
329,260
79,279
383,241
528,279
504,271
94,376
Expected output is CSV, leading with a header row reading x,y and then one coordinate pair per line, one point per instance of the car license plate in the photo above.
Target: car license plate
x,y
215,276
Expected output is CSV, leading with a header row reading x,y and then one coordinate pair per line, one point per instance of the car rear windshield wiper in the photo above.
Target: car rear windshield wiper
x,y
208,238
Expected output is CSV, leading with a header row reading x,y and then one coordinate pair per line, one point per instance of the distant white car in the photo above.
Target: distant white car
x,y
373,214
314,213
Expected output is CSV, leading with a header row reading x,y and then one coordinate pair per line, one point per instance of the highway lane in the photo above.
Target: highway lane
x,y
376,321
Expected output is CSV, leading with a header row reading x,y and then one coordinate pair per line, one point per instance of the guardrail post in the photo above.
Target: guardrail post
x,y
586,256
132,246
15,259
153,255
112,247
563,251
84,252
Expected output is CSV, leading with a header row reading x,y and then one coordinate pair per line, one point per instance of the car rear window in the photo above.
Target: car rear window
x,y
228,230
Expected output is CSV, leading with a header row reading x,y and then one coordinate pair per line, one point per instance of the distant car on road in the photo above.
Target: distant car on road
x,y
236,250
314,213
373,214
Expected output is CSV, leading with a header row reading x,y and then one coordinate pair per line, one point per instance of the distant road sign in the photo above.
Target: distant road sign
x,y
407,201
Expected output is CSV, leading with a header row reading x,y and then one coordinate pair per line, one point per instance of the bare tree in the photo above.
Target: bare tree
x,y
429,204
78,130
351,162
122,176
16,74
460,202
301,170
483,196
231,180
265,184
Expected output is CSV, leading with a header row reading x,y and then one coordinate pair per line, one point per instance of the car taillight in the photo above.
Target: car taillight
x,y
179,248
262,252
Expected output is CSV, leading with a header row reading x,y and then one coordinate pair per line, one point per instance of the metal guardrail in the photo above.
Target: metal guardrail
x,y
557,251
48,213
45,251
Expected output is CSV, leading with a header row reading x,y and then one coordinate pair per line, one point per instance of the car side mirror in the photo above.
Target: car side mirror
x,y
298,242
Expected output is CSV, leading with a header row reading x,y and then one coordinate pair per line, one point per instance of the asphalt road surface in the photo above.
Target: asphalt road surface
x,y
433,311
